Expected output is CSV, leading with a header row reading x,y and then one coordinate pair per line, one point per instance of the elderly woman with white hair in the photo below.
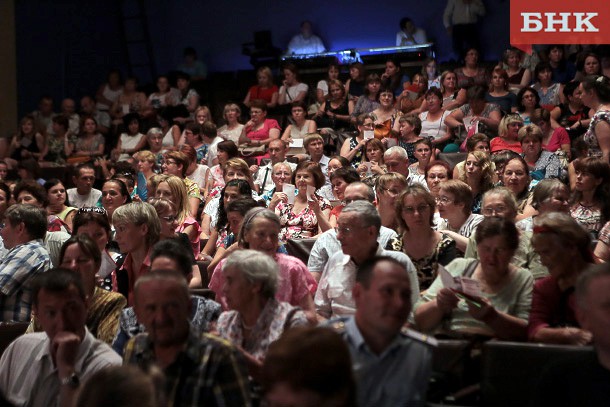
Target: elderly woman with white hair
x,y
259,231
256,318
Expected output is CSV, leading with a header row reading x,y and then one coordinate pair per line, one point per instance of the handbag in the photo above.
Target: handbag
x,y
249,151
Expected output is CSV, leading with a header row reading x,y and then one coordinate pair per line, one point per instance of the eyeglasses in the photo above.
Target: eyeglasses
x,y
393,192
411,209
498,210
443,200
168,162
347,231
169,219
92,209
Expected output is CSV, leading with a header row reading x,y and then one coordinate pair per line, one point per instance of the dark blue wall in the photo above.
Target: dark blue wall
x,y
65,48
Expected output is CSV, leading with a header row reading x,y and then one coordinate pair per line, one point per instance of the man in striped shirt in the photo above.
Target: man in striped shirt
x,y
23,233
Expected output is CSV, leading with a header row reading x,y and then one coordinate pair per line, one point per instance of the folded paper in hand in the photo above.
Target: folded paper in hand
x,y
468,286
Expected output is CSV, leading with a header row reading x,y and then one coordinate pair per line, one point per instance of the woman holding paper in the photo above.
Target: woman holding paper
x,y
353,148
281,173
385,115
488,297
300,127
477,116
374,166
340,179
309,214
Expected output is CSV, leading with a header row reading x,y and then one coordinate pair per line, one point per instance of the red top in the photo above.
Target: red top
x,y
499,144
263,132
560,136
551,307
256,92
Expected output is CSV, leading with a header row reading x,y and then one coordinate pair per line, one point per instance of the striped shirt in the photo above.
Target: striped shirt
x,y
17,268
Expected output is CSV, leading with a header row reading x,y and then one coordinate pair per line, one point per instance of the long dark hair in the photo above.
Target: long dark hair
x,y
244,190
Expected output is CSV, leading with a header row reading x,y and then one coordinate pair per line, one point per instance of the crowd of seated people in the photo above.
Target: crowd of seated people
x,y
496,176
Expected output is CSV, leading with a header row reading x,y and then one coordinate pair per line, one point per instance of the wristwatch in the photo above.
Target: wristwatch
x,y
72,381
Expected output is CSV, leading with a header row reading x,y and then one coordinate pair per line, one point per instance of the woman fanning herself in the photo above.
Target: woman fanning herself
x,y
479,176
385,115
373,167
412,97
590,203
340,179
477,115
353,148
425,247
458,222
256,318
501,310
259,231
595,94
564,248
309,214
